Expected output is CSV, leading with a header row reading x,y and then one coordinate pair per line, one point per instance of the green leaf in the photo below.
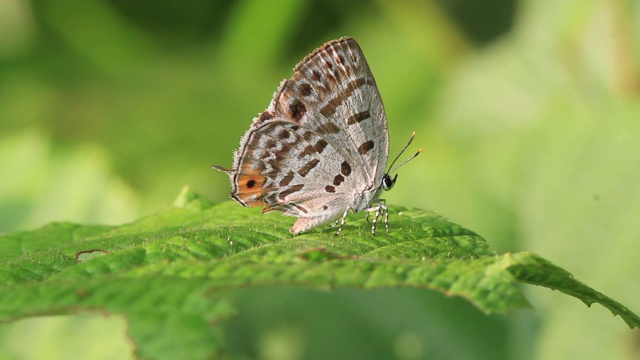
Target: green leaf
x,y
172,275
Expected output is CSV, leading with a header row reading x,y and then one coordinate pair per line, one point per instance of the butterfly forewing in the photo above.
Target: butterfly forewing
x,y
333,92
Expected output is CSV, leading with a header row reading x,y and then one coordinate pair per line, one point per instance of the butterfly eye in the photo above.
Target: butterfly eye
x,y
388,182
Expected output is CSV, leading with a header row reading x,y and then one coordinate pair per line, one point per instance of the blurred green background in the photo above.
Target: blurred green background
x,y
529,113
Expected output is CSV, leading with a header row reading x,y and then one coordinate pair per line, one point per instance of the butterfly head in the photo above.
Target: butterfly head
x,y
387,180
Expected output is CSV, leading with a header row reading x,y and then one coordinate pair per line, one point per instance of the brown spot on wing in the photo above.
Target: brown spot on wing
x,y
305,89
320,145
290,190
284,134
359,117
338,179
365,147
329,189
287,179
265,116
297,110
304,170
345,168
301,208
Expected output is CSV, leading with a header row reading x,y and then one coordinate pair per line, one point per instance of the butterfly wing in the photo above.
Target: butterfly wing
x,y
334,93
321,146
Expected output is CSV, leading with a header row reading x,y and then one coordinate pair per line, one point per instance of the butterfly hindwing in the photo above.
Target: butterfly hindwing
x,y
284,164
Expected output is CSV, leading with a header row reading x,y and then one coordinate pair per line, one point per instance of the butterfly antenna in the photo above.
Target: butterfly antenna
x,y
402,151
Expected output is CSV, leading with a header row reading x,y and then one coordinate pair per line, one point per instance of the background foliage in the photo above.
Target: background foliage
x,y
528,112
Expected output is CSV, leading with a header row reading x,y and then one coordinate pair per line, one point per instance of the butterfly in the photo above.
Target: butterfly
x,y
321,147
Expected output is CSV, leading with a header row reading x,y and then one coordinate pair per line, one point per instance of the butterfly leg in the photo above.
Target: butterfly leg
x,y
375,221
380,209
386,215
384,210
342,221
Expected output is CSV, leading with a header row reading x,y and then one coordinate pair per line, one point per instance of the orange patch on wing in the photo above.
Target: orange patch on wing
x,y
250,188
